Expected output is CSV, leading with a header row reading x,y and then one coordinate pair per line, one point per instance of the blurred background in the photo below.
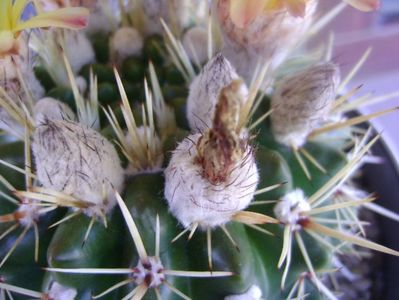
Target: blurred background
x,y
355,32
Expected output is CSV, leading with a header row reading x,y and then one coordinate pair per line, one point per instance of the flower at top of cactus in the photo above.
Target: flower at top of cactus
x,y
302,101
205,90
244,12
11,23
77,161
213,176
267,39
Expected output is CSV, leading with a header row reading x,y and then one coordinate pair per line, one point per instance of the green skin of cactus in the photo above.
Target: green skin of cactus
x,y
255,263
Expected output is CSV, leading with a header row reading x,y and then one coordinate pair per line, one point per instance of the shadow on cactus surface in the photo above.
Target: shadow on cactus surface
x,y
173,150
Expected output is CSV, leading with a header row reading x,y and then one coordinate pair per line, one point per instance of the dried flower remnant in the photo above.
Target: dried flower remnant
x,y
205,89
213,176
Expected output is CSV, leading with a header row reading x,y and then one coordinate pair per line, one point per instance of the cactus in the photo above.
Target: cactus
x,y
167,166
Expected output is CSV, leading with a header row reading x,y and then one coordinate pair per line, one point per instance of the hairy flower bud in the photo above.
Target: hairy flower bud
x,y
50,109
205,90
125,42
302,101
78,161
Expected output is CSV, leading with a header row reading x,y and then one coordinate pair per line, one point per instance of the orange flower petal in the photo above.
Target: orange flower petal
x,y
244,12
296,8
364,5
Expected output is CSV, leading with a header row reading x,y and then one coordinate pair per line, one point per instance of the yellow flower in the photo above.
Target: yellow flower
x,y
243,12
11,23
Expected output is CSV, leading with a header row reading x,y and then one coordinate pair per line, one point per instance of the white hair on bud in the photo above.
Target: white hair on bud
x,y
78,161
78,50
302,101
253,293
193,199
125,42
60,292
205,90
195,42
51,109
290,208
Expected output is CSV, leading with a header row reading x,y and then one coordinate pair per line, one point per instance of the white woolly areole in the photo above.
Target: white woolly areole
x,y
77,160
253,293
302,101
125,42
193,199
51,109
149,272
30,214
290,208
195,42
155,144
60,292
78,49
205,90
268,39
